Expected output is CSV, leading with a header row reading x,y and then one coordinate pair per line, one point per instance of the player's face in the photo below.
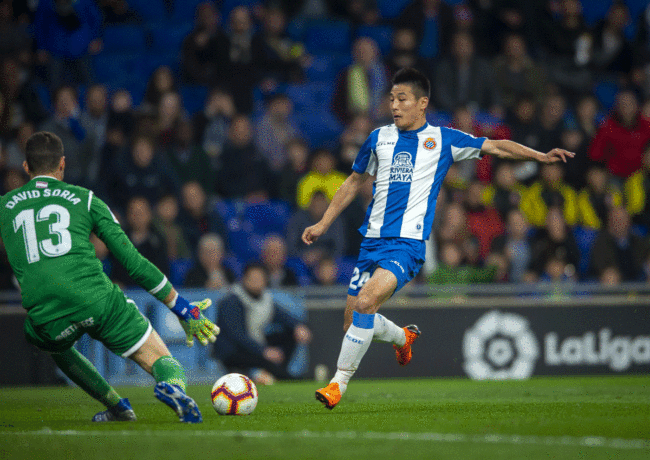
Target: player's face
x,y
407,109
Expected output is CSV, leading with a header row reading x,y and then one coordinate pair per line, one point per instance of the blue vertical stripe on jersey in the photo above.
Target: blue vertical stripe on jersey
x,y
398,192
366,151
444,163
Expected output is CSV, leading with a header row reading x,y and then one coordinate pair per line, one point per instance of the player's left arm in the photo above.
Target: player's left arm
x,y
147,275
510,150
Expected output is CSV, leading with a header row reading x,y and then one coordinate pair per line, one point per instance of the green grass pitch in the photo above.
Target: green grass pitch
x,y
542,418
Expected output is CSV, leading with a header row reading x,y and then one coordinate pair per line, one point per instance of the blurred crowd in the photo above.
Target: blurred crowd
x,y
253,112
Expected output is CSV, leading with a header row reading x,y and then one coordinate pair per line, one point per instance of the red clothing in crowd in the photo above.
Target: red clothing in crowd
x,y
485,224
619,147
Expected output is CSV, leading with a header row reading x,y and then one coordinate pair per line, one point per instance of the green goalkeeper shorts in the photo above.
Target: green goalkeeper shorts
x,y
117,323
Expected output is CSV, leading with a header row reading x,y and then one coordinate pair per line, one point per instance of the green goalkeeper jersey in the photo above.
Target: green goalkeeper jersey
x,y
46,227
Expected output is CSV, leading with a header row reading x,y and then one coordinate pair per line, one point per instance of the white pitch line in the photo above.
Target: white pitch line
x,y
586,441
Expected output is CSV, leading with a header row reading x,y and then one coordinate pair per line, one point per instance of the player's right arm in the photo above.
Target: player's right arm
x,y
364,167
346,193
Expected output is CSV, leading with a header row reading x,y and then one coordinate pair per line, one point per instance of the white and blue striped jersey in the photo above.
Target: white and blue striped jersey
x,y
409,167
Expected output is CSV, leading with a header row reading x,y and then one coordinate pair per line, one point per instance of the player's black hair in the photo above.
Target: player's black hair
x,y
43,152
416,79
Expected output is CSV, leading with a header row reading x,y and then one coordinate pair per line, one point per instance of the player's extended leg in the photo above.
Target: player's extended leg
x,y
154,357
359,334
85,375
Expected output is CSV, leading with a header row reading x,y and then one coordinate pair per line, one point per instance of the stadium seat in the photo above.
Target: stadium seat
x,y
326,67
124,39
298,267
594,10
585,238
117,69
152,11
606,91
184,11
327,36
268,217
178,270
390,9
346,267
168,38
194,98
382,35
321,128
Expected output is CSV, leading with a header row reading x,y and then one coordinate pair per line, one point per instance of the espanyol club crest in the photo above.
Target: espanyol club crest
x,y
429,143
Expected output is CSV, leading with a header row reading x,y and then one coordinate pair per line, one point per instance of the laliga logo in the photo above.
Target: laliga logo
x,y
500,346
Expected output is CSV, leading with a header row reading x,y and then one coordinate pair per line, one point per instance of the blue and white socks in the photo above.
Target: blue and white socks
x,y
388,331
355,344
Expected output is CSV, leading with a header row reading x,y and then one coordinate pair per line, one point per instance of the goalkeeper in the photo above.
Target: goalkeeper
x,y
46,226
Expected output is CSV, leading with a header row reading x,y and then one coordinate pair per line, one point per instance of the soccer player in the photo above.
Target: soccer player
x,y
407,161
46,227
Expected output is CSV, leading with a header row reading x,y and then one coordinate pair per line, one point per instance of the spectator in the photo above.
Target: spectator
x,y
14,152
294,169
170,116
550,192
274,131
255,331
464,79
555,243
189,161
360,88
326,272
551,122
197,218
274,259
452,270
505,192
209,272
118,12
621,140
597,198
143,237
612,53
13,179
67,33
279,58
204,50
321,177
566,43
637,193
14,38
139,175
351,140
525,129
94,119
331,244
453,226
165,222
242,168
404,52
212,123
574,140
484,222
515,245
243,70
587,110
611,276
432,21
616,246
160,83
77,142
517,74
21,101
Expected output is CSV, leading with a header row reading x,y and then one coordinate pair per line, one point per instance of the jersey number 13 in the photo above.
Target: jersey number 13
x,y
25,220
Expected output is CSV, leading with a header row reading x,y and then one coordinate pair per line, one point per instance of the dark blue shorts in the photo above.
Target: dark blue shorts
x,y
403,257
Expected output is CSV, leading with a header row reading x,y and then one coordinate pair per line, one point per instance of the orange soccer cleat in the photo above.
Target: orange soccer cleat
x,y
404,353
330,395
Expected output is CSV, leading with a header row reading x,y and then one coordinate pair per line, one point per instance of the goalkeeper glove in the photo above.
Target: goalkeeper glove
x,y
194,323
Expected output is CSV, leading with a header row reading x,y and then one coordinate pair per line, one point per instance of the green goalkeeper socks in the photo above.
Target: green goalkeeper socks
x,y
167,369
83,373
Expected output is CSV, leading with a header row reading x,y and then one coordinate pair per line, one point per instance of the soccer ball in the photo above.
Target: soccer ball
x,y
234,394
